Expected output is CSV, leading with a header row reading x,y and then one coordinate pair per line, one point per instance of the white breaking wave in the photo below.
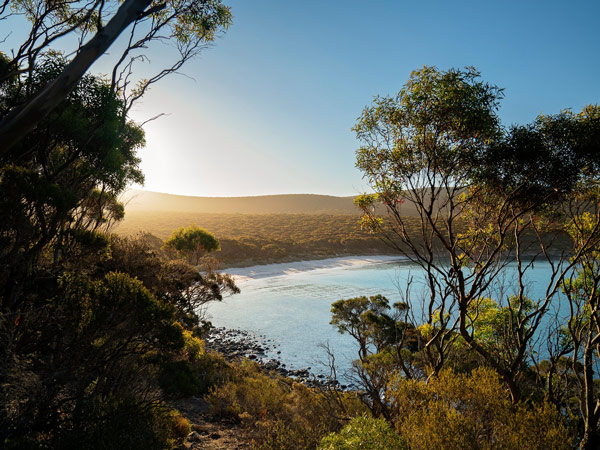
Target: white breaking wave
x,y
243,274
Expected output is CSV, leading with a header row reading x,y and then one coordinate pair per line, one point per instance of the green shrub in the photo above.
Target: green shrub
x,y
180,426
120,422
213,371
278,412
180,379
472,411
364,433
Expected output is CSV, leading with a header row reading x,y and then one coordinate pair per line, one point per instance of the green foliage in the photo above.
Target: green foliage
x,y
100,333
584,230
364,433
440,117
546,160
90,239
582,332
74,165
192,242
372,322
195,22
174,282
93,27
365,200
496,327
213,371
95,331
194,373
387,344
90,110
278,412
121,422
485,196
472,411
180,379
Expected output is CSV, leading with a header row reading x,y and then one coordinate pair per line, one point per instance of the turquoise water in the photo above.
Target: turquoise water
x,y
293,310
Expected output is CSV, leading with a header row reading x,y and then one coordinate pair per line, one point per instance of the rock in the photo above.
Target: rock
x,y
234,344
194,437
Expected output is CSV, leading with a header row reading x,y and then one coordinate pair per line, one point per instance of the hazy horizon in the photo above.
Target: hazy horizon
x,y
142,189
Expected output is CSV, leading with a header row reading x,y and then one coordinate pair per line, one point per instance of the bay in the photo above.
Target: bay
x,y
288,305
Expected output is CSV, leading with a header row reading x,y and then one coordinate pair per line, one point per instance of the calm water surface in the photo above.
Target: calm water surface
x,y
293,310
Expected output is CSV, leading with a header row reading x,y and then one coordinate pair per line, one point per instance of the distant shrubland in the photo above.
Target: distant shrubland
x,y
248,239
264,238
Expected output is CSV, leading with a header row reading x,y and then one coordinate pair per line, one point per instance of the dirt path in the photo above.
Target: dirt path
x,y
209,434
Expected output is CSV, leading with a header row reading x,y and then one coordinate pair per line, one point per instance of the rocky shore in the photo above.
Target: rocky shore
x,y
236,344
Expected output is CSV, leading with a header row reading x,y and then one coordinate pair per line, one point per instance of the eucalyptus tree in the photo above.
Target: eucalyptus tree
x,y
386,343
582,331
187,25
72,167
95,330
86,348
486,197
192,243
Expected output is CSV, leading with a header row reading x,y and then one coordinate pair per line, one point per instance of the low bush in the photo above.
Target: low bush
x,y
364,433
122,422
279,412
472,411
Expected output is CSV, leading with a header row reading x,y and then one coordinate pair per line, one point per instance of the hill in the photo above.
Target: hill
x,y
138,200
261,229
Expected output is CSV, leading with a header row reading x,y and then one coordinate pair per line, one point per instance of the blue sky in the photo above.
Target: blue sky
x,y
268,108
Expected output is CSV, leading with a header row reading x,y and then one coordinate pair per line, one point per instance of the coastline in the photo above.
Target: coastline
x,y
261,271
235,345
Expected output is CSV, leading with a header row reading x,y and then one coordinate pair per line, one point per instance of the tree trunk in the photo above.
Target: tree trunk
x,y
23,119
591,434
508,376
591,440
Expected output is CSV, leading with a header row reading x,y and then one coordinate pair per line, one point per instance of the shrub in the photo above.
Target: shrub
x,y
472,411
364,433
179,425
278,412
197,373
180,378
120,422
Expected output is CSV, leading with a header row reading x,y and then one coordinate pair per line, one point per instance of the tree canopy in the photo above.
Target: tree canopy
x,y
188,25
486,197
192,242
96,332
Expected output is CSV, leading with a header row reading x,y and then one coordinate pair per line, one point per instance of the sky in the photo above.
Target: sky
x,y
268,109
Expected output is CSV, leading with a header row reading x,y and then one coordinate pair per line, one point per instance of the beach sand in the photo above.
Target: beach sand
x,y
243,274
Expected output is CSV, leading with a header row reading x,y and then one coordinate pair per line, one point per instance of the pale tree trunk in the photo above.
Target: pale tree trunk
x,y
591,406
591,439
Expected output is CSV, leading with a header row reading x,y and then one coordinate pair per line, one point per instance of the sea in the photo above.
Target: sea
x,y
288,306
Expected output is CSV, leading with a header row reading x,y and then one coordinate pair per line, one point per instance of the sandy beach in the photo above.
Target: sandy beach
x,y
243,274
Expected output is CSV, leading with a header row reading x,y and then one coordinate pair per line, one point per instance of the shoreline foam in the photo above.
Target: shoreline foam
x,y
244,274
